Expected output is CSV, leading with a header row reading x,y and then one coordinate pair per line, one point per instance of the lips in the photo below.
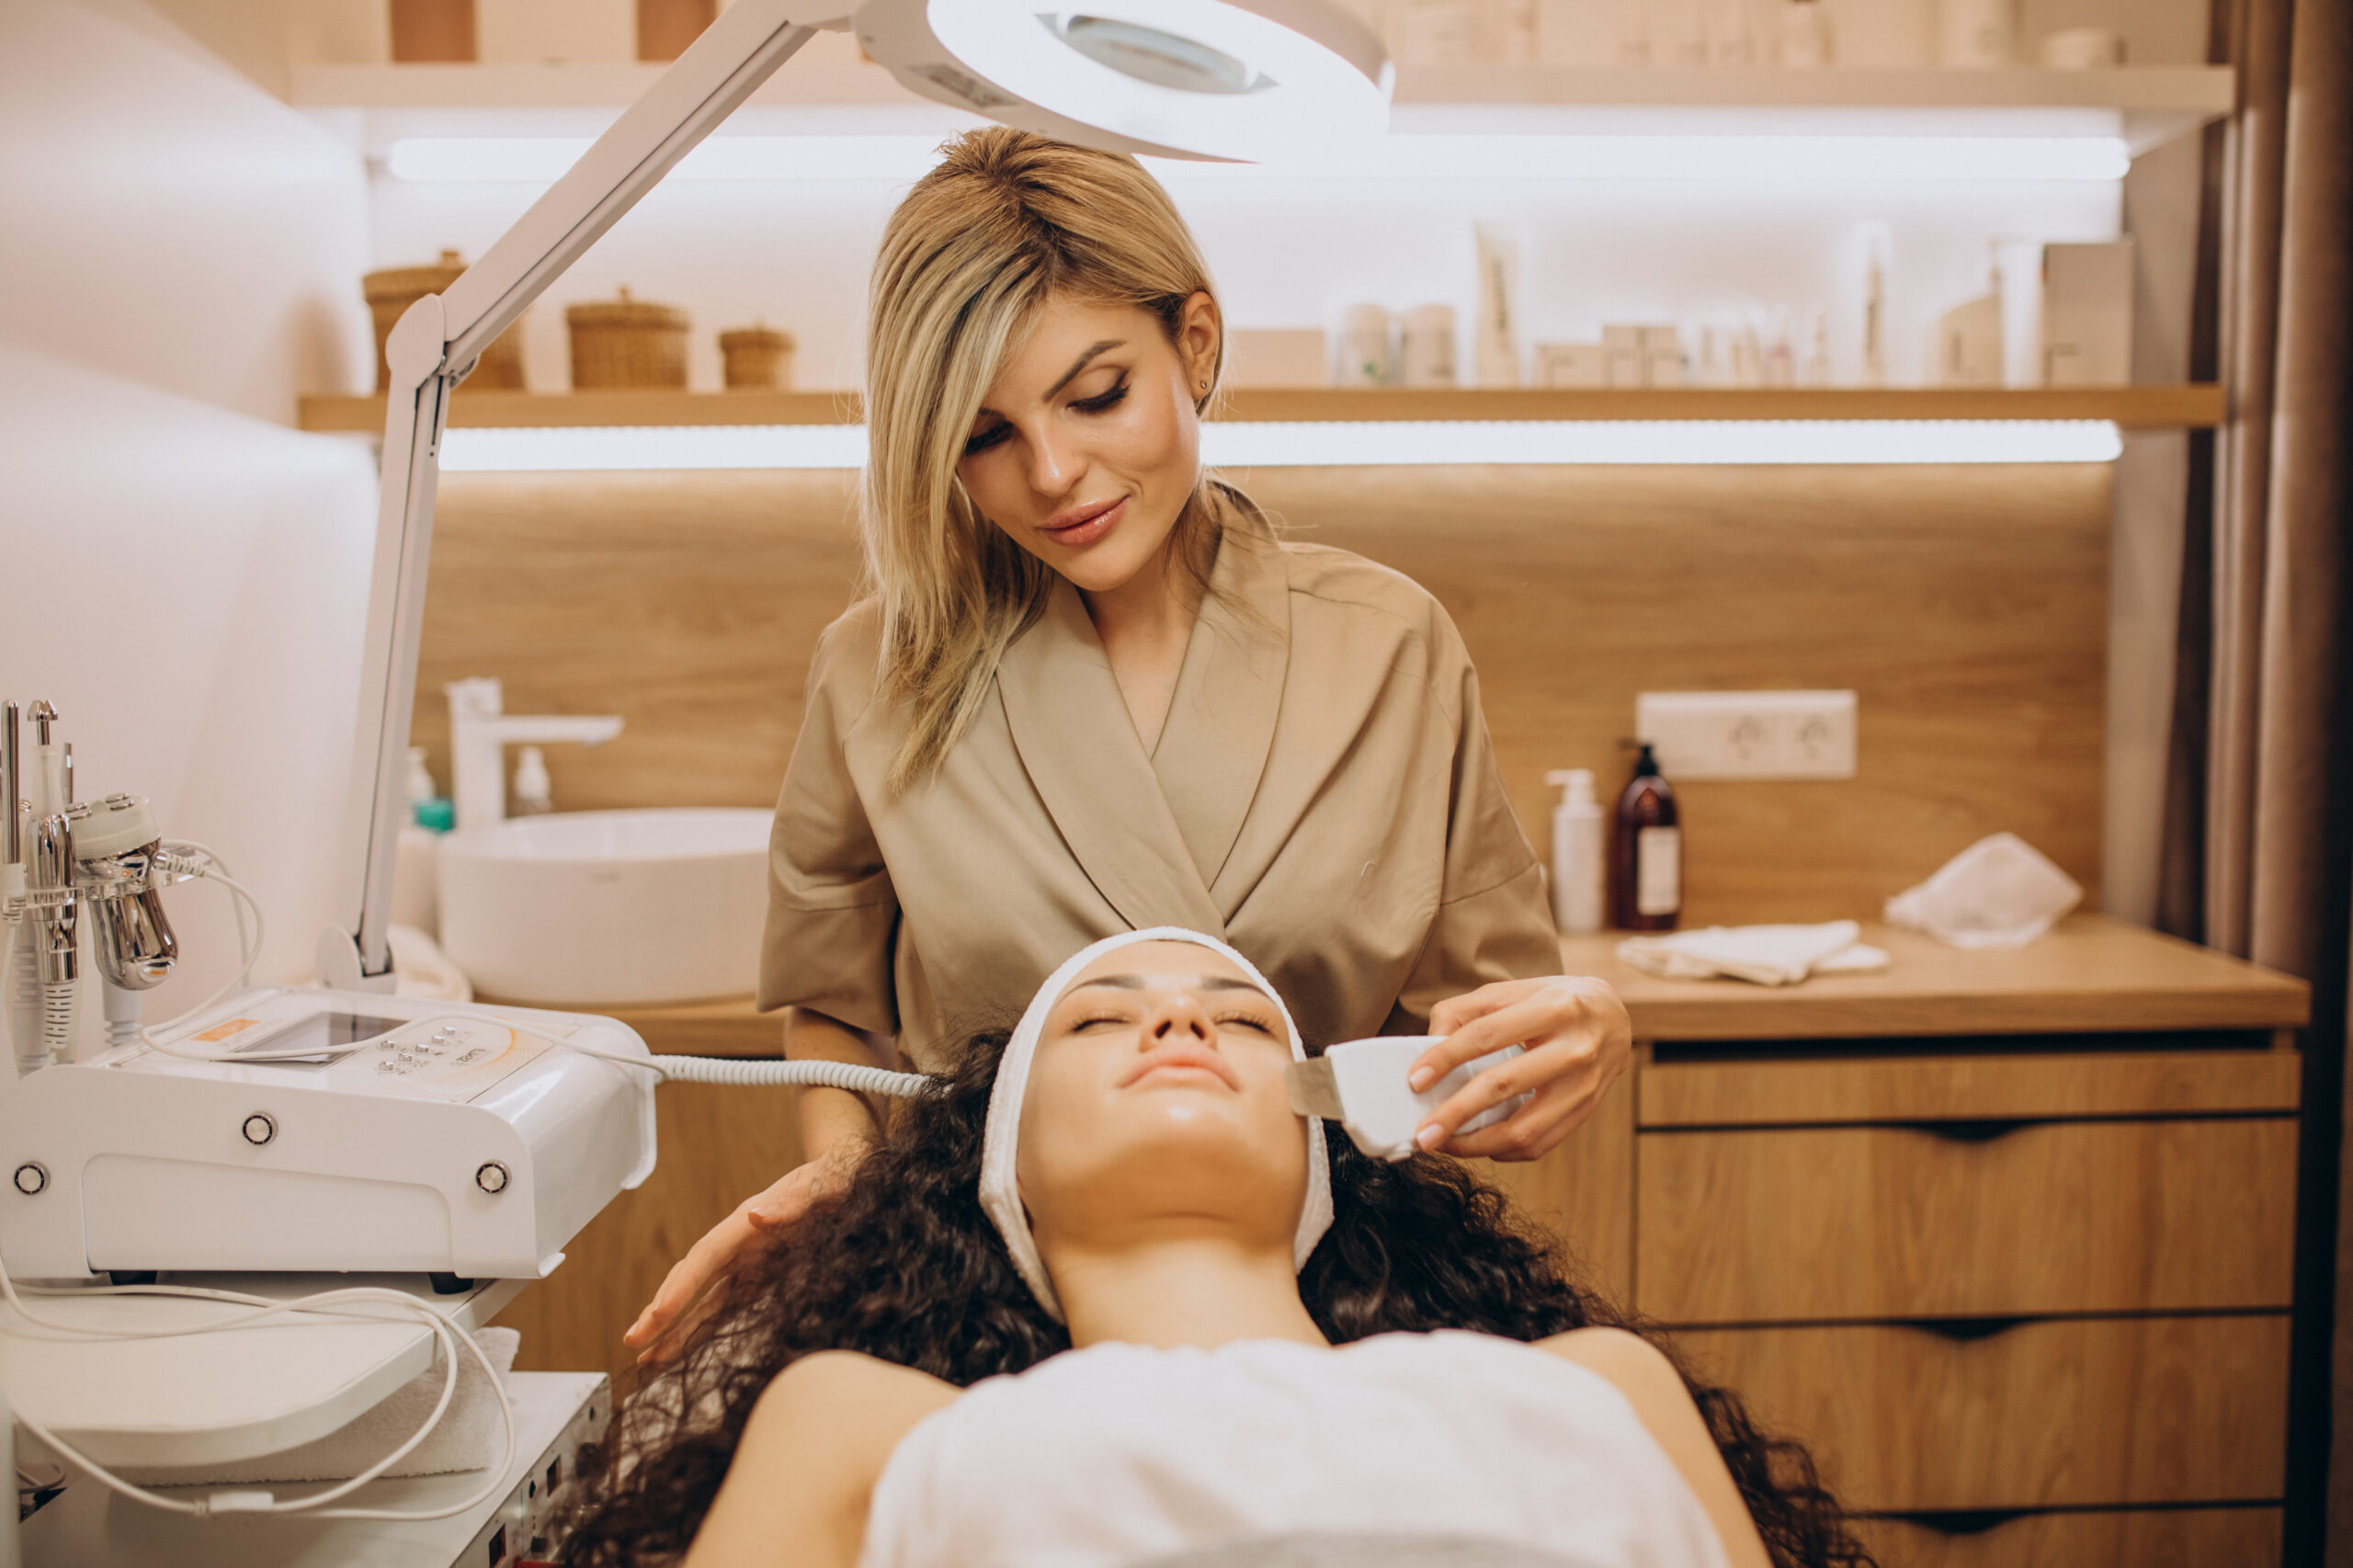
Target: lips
x,y
1082,525
1184,1058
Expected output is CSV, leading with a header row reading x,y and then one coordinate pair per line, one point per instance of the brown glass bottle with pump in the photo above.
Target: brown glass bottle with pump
x,y
1646,852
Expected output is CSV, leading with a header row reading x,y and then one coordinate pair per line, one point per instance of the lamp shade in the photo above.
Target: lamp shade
x,y
1253,81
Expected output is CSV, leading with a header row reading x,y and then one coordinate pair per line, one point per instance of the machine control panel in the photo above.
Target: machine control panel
x,y
339,1048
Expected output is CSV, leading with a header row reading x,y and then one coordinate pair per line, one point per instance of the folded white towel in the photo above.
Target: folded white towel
x,y
469,1437
1766,955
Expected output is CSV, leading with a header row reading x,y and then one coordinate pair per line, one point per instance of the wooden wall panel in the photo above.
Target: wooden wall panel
x,y
1967,606
719,1145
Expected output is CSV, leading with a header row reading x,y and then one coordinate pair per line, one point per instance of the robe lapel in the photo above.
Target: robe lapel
x,y
1221,727
1078,746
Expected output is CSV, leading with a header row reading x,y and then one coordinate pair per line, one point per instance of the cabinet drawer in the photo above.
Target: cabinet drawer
x,y
2044,1085
1846,1222
2192,1537
2068,1412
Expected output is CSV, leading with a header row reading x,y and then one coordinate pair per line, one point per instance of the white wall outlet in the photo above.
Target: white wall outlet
x,y
1749,734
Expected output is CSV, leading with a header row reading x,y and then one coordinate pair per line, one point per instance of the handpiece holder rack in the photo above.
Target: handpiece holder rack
x,y
66,865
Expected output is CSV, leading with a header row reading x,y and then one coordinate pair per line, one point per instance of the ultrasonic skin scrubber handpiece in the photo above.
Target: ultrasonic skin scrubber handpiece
x,y
1360,1084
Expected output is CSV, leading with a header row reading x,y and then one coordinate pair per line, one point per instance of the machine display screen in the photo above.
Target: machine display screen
x,y
323,1032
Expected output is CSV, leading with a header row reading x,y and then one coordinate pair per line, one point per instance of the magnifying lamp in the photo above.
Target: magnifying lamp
x,y
1237,80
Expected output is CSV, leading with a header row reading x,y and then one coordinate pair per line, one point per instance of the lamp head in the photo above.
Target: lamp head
x,y
1241,80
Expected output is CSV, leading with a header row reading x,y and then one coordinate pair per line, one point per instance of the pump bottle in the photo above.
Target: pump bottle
x,y
1646,852
1577,847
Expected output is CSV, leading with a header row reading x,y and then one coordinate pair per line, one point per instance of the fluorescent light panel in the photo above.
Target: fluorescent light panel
x,y
540,160
1241,445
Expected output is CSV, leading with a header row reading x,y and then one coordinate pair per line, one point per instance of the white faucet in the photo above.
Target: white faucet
x,y
480,730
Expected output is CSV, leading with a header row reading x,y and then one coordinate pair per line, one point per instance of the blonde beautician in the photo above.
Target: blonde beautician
x,y
1089,691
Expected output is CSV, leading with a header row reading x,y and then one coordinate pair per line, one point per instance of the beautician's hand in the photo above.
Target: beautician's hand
x,y
1577,1039
684,1295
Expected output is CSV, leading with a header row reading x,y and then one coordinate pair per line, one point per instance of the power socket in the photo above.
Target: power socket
x,y
1749,734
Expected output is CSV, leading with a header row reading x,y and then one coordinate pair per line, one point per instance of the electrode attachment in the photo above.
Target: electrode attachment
x,y
1360,1084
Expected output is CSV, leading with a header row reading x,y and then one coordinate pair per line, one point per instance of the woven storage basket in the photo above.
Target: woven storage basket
x,y
627,343
759,358
393,290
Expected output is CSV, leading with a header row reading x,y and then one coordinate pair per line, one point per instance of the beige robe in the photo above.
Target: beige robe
x,y
1323,796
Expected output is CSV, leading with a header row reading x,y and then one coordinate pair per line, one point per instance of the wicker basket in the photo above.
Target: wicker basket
x,y
391,291
627,343
759,359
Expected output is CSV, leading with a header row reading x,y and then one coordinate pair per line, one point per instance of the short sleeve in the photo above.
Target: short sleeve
x,y
1493,921
833,914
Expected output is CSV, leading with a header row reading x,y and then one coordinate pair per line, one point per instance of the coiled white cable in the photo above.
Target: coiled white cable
x,y
336,1304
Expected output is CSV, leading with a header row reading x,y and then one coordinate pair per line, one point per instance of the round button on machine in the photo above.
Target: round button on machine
x,y
260,1129
33,1179
491,1177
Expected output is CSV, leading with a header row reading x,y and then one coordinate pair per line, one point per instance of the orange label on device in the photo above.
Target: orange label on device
x,y
220,1032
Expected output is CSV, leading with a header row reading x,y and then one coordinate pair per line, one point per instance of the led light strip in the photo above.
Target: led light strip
x,y
539,160
1238,445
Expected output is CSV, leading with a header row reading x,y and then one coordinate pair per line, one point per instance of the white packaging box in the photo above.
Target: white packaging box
x,y
1969,343
1662,356
2087,314
1277,356
1571,365
1621,349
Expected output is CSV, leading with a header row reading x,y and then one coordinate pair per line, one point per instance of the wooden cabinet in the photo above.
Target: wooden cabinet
x,y
2048,1413
2009,1246
1806,1224
2188,1538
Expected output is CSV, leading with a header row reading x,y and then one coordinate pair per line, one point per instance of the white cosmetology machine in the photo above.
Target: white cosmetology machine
x,y
340,1129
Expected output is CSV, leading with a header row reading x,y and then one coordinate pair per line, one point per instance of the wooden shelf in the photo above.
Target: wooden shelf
x,y
2138,408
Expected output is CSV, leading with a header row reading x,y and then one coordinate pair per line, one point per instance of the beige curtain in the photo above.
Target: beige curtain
x,y
2259,849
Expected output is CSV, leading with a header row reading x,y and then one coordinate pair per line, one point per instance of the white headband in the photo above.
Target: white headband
x,y
1001,1188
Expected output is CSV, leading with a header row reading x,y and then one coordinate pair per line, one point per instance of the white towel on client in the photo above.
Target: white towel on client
x,y
1766,955
468,1437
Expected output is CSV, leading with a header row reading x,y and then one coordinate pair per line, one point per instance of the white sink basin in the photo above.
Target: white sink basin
x,y
608,908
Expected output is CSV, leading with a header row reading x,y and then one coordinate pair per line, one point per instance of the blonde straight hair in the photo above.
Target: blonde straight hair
x,y
1006,221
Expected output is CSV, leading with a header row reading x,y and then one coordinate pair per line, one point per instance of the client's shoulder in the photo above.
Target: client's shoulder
x,y
852,1407
830,1381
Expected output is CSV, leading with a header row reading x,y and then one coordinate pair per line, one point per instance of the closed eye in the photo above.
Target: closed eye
x,y
1264,1026
1104,401
981,441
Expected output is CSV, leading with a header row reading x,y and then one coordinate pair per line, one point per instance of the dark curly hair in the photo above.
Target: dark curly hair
x,y
903,1266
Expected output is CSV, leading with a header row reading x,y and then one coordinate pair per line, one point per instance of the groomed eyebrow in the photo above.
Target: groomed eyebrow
x,y
1084,360
1198,982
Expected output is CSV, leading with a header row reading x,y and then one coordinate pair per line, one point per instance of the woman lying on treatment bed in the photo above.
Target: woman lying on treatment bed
x,y
1120,1208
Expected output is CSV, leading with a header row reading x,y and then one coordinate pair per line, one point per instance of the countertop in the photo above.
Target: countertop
x,y
2093,974
2090,974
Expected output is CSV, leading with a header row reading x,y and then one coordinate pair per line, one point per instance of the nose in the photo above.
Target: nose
x,y
1053,467
1176,1019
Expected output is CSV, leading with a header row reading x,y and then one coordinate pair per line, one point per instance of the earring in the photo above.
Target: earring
x,y
1205,386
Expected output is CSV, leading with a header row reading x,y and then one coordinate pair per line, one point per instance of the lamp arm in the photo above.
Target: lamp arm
x,y
430,351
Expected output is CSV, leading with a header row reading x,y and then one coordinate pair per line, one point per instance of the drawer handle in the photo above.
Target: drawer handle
x,y
1965,1331
1981,1132
1963,1521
